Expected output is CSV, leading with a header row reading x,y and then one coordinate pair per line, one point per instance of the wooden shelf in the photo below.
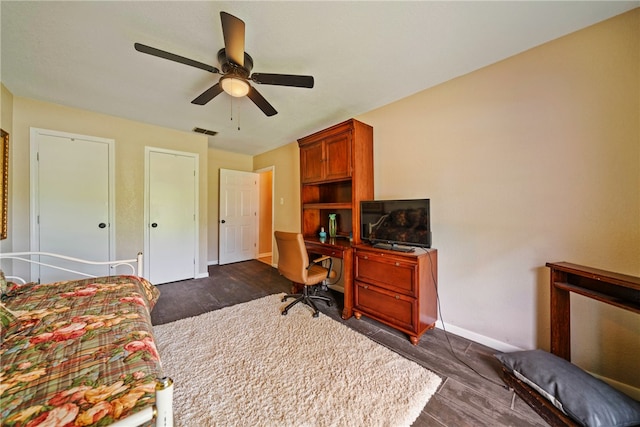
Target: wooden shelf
x,y
616,289
600,296
327,206
336,174
611,288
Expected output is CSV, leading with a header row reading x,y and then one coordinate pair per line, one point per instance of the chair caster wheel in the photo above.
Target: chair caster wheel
x,y
328,303
316,314
284,312
283,299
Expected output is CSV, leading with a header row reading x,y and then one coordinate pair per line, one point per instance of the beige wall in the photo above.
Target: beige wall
x,y
530,160
131,138
6,109
219,159
286,176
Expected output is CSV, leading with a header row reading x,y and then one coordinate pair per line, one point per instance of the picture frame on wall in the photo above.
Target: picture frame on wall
x,y
4,187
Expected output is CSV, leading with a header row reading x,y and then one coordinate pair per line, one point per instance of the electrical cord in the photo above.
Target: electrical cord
x,y
446,334
339,275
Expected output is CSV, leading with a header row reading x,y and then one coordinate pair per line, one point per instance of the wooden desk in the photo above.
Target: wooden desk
x,y
616,289
337,248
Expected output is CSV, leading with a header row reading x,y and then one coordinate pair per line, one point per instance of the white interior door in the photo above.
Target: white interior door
x,y
238,216
171,229
72,200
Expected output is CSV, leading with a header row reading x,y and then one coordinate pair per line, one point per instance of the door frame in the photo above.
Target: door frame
x,y
34,190
260,171
146,221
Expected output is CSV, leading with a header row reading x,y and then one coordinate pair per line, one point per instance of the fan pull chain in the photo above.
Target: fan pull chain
x,y
238,115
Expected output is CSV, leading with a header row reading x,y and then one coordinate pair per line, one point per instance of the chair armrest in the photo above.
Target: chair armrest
x,y
322,258
319,260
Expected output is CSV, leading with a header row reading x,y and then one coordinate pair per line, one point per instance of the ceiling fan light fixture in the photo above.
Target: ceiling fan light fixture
x,y
234,86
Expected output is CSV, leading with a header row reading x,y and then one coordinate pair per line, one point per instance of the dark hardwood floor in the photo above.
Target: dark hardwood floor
x,y
464,398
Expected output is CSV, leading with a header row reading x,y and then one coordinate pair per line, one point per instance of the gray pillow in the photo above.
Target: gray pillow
x,y
586,399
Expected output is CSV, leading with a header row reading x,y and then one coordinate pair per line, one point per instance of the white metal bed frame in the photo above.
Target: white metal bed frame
x,y
162,411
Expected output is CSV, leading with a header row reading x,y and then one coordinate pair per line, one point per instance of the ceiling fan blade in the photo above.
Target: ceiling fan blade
x,y
173,57
283,80
233,31
208,94
262,103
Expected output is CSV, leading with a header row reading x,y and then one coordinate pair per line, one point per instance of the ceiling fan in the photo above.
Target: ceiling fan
x,y
236,66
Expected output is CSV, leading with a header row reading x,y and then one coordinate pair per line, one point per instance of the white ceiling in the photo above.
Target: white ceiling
x,y
363,55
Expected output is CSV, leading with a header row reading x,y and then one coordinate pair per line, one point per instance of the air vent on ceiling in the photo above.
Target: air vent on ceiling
x,y
205,131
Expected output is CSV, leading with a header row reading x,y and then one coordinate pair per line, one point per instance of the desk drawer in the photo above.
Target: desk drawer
x,y
388,272
323,250
389,307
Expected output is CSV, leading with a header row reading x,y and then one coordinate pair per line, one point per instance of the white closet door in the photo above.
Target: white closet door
x,y
172,206
71,212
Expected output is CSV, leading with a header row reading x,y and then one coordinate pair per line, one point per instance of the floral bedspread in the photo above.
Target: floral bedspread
x,y
82,352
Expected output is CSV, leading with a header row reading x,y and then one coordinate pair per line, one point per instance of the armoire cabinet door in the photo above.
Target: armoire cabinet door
x,y
338,157
312,162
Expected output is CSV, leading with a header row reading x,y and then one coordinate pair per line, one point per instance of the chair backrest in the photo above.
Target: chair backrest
x,y
293,259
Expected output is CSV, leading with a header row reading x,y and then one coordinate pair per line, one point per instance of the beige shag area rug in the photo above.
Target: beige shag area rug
x,y
247,365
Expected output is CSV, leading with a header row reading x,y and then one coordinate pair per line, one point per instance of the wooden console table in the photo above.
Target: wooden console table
x,y
612,288
616,289
337,248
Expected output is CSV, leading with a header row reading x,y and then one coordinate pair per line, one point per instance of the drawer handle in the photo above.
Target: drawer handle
x,y
366,286
397,264
397,296
365,257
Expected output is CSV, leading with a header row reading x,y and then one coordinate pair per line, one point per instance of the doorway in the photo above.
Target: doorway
x,y
238,216
265,216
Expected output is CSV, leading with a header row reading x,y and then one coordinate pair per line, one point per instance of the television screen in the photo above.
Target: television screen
x,y
396,223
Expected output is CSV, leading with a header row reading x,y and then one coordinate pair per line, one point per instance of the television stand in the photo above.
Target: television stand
x,y
397,289
394,247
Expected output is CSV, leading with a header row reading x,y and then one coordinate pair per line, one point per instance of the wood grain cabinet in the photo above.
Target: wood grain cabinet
x,y
336,173
326,159
398,289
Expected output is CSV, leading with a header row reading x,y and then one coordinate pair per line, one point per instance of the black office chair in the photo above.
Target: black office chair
x,y
293,263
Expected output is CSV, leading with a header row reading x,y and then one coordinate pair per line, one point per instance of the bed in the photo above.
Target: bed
x,y
80,352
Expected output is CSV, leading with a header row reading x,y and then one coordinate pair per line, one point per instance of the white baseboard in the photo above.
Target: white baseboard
x,y
481,339
627,389
216,262
202,275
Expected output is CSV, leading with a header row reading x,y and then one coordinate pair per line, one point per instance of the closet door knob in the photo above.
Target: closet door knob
x,y
102,225
154,225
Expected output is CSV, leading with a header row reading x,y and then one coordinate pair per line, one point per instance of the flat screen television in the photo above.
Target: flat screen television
x,y
396,224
